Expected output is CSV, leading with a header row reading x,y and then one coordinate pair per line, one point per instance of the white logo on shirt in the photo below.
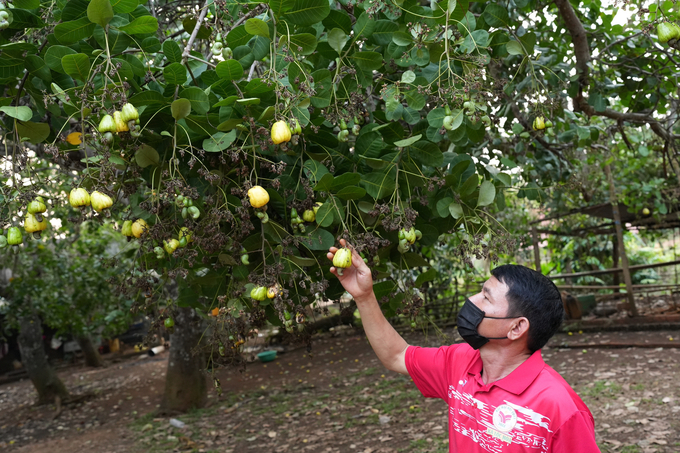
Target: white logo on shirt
x,y
504,418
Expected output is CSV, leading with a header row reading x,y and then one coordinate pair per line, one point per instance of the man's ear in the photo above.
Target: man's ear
x,y
519,328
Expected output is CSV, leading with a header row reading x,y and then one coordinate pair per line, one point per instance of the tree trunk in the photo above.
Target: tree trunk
x,y
92,357
185,383
34,359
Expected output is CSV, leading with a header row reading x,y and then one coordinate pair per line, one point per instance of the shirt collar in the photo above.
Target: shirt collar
x,y
517,381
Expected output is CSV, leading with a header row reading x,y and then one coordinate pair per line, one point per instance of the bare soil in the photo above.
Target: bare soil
x,y
338,398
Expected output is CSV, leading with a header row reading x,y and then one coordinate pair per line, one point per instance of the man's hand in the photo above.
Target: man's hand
x,y
356,279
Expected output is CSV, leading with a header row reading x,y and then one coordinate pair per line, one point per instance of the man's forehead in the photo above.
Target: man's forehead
x,y
495,287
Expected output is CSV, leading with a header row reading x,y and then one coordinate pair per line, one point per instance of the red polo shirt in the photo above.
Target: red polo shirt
x,y
532,409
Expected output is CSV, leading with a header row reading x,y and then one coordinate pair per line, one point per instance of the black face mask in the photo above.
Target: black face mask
x,y
469,318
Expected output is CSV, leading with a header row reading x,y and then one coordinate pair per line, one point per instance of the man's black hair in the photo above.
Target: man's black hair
x,y
532,295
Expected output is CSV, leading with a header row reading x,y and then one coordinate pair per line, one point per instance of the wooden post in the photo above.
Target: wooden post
x,y
615,259
537,251
622,248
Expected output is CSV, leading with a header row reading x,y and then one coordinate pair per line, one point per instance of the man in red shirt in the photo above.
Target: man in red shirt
x,y
502,397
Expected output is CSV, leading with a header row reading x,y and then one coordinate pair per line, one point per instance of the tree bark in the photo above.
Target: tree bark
x,y
92,357
34,359
185,383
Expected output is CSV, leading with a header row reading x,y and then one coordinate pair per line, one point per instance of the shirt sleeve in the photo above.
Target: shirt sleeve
x,y
576,434
430,368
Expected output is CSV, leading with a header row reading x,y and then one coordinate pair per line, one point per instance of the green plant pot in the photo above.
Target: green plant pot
x,y
266,356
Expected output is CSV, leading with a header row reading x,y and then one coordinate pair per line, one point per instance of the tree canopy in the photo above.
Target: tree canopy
x,y
360,120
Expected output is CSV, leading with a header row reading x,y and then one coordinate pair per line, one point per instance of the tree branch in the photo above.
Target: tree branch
x,y
197,27
578,38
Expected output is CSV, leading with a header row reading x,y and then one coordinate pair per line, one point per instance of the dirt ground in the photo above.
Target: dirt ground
x,y
337,398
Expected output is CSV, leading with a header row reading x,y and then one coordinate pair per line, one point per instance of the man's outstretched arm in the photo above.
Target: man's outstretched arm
x,y
388,345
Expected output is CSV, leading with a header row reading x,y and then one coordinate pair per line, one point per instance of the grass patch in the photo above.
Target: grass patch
x,y
601,389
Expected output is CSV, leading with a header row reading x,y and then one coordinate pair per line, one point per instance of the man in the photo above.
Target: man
x,y
502,397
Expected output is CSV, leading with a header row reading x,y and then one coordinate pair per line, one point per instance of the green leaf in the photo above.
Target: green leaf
x,y
325,215
415,260
514,48
172,51
148,97
369,144
408,141
487,193
73,31
124,6
257,27
141,25
146,156
180,108
426,153
379,184
318,239
443,206
238,37
151,44
323,86
344,180
27,4
426,276
351,193
199,100
598,101
314,170
496,15
458,116
337,39
305,41
189,24
35,132
435,117
408,77
77,66
401,38
37,67
308,12
54,55
175,74
368,61
74,10
21,113
22,18
100,12
279,7
219,141
383,289
529,41
229,70
383,31
338,19
456,210
469,185
364,26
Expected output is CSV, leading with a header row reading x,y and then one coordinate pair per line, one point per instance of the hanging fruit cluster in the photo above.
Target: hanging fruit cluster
x,y
288,321
188,208
259,198
408,238
79,198
4,17
35,222
124,121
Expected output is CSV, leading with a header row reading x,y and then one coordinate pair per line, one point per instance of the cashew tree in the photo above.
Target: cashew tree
x,y
235,142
